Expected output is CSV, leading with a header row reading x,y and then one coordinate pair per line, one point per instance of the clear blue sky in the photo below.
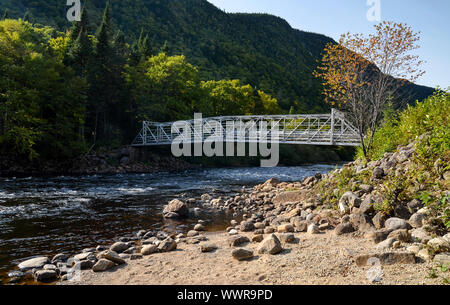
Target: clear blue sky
x,y
334,17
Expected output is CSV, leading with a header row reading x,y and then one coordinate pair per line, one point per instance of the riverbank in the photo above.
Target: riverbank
x,y
118,161
284,233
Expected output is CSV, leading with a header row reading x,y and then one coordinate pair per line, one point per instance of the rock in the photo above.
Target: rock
x,y
176,206
415,205
313,229
420,235
402,211
60,258
207,247
395,223
350,200
386,244
379,236
205,197
270,245
234,223
167,245
113,256
443,258
136,256
286,197
293,213
199,227
192,233
416,220
119,247
45,275
83,265
269,230
396,245
344,228
377,173
343,208
149,249
387,259
238,240
301,225
400,235
85,256
242,254
247,226
424,254
273,182
360,221
378,220
233,232
257,238
414,249
103,265
34,263
287,238
439,245
285,228
141,233
366,188
367,205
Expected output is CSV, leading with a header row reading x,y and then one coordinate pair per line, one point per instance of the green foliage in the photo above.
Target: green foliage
x,y
40,101
429,117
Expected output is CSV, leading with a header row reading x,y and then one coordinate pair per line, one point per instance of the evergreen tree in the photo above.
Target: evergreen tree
x,y
5,15
27,17
165,48
79,47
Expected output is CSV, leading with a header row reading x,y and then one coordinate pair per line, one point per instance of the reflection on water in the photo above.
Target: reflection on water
x,y
44,216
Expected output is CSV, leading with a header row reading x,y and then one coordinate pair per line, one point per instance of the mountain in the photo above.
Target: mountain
x,y
259,49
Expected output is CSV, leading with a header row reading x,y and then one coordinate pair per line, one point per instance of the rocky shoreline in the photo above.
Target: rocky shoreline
x,y
277,218
119,161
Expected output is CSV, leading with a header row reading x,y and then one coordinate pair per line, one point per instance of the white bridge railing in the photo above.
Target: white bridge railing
x,y
308,129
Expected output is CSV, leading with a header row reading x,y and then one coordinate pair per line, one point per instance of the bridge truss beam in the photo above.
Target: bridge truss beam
x,y
307,129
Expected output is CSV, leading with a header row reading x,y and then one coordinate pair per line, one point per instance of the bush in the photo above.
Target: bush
x,y
432,117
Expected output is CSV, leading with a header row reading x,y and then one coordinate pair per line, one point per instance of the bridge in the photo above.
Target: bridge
x,y
308,129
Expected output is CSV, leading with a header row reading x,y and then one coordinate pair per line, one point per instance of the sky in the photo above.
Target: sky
x,y
335,17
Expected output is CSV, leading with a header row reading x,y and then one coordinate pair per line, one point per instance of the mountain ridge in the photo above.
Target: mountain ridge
x,y
258,48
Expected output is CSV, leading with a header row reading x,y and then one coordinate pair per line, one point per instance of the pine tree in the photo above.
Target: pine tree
x,y
27,17
79,47
5,14
165,48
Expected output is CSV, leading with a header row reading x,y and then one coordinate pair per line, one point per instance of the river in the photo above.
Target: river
x,y
45,216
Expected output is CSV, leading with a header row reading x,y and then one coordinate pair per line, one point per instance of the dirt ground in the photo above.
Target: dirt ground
x,y
323,259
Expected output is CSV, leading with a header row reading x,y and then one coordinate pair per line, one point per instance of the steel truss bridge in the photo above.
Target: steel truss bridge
x,y
307,129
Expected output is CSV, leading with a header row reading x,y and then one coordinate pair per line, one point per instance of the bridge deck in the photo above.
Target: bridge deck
x,y
310,129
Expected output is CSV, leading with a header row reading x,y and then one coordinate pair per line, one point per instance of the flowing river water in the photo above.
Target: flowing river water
x,y
46,216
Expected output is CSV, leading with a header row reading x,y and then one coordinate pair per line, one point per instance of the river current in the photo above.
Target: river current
x,y
45,216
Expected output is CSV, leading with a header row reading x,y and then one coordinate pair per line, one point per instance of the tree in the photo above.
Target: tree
x,y
5,15
41,101
363,74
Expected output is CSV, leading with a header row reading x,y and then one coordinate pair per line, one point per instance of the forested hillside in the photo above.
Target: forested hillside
x,y
67,88
258,49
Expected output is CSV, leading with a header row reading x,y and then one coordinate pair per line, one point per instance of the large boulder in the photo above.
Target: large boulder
x,y
103,265
395,223
149,249
34,263
167,245
350,199
113,256
119,247
175,208
45,275
344,228
270,245
242,254
238,240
